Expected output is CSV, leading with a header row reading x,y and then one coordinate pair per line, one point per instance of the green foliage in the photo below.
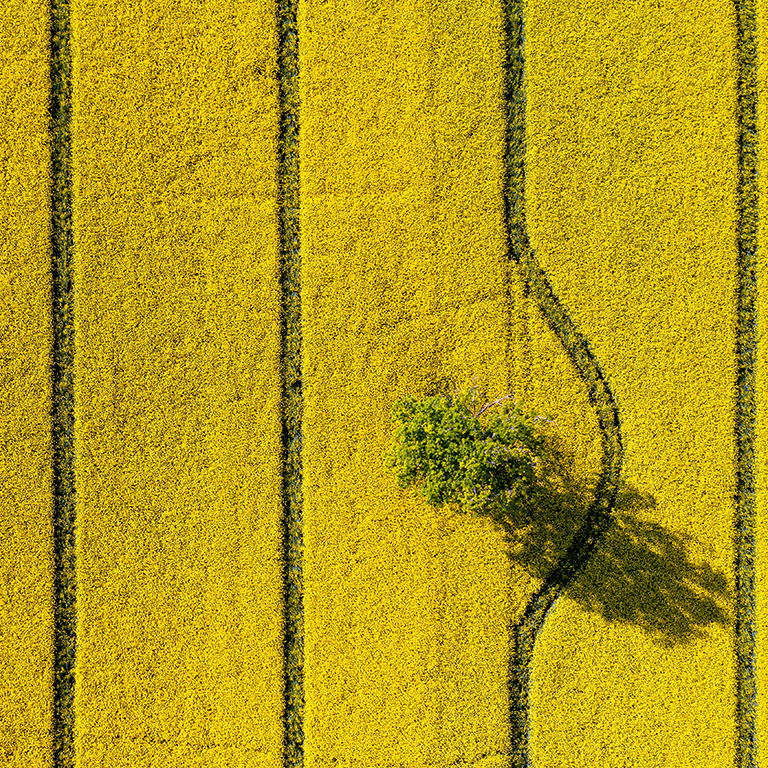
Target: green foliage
x,y
442,443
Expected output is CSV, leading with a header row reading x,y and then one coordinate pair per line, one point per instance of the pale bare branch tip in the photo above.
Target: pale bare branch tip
x,y
490,405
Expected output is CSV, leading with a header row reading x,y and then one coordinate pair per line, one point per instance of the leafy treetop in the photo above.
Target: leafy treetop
x,y
442,443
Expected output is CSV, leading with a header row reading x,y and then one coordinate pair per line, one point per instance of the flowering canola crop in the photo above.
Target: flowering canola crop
x,y
632,205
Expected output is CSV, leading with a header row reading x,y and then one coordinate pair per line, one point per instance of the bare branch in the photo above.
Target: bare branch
x,y
490,405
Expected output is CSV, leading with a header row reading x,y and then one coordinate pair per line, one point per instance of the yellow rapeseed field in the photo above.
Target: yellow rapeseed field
x,y
248,304
630,199
179,634
26,628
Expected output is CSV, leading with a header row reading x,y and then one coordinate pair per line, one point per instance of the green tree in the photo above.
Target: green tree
x,y
482,468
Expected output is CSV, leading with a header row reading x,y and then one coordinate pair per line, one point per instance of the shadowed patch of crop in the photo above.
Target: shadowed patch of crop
x,y
641,573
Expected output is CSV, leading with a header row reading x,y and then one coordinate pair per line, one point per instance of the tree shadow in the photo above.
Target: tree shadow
x,y
639,572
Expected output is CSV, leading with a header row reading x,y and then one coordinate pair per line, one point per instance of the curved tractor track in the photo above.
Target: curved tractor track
x,y
599,518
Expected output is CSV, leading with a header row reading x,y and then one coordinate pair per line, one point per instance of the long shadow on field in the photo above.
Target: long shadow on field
x,y
640,572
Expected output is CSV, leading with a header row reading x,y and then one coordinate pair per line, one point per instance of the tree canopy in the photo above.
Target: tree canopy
x,y
480,467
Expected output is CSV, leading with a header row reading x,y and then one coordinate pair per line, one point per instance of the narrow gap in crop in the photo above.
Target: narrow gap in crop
x,y
63,394
599,517
293,402
746,353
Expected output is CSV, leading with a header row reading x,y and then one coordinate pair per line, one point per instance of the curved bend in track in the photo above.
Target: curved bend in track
x,y
599,517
